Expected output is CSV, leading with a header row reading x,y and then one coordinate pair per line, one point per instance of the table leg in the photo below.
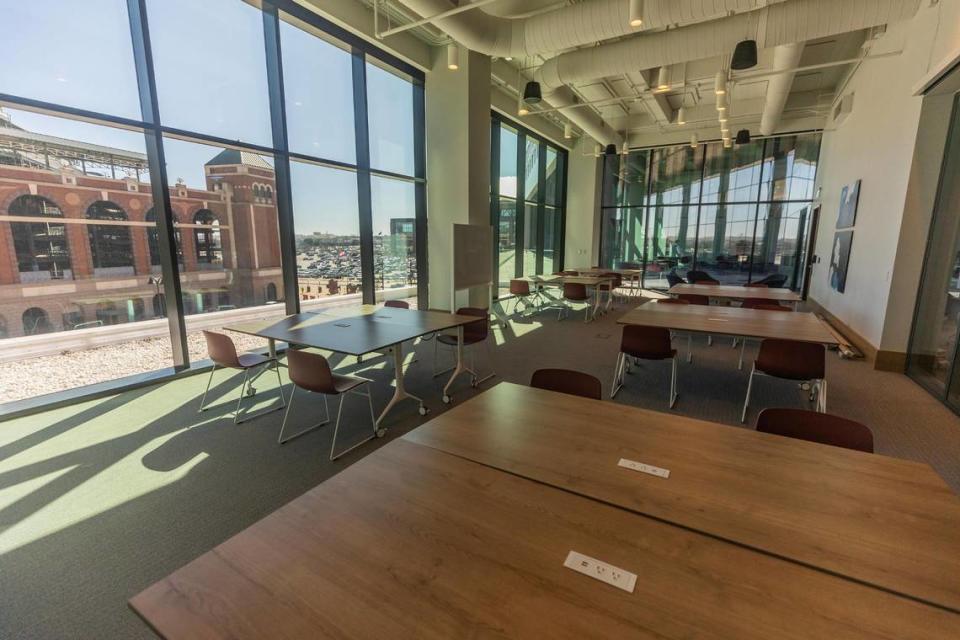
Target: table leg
x,y
609,298
460,368
399,391
596,302
272,344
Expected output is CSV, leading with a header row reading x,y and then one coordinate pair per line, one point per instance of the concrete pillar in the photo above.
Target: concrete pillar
x,y
458,163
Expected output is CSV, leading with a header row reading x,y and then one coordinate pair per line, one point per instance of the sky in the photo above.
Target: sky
x,y
211,78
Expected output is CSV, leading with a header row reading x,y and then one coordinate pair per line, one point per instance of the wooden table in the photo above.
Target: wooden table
x,y
882,521
590,281
736,292
373,329
412,543
733,321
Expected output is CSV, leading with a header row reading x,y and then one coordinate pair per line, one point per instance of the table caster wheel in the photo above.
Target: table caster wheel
x,y
251,391
381,432
446,399
423,410
474,382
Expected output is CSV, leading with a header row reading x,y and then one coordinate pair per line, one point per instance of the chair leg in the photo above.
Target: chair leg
x,y
746,402
243,387
286,414
673,383
373,421
204,398
743,346
617,375
709,341
689,347
236,414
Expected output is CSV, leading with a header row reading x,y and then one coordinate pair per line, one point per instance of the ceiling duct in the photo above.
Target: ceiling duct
x,y
786,56
779,24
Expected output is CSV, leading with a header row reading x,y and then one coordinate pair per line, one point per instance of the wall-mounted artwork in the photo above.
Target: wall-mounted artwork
x,y
840,260
849,198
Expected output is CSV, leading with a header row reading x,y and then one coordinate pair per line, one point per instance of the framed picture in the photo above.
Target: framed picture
x,y
840,260
849,198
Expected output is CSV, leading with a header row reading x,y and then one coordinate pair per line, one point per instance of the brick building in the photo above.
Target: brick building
x,y
79,244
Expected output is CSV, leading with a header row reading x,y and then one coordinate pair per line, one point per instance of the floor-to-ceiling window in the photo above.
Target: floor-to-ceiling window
x,y
171,165
527,202
740,214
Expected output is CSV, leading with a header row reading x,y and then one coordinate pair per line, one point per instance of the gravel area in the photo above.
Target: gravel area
x,y
49,374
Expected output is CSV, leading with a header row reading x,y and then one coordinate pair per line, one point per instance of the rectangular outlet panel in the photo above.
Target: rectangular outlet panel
x,y
602,571
644,468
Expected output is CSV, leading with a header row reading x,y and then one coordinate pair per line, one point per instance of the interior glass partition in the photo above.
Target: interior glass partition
x,y
527,202
219,161
739,215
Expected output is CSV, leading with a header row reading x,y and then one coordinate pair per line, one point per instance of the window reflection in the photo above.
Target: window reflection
x,y
394,235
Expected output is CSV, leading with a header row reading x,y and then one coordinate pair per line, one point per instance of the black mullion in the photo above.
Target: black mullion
x,y
284,192
646,220
560,249
520,217
495,201
696,231
365,201
756,213
166,234
420,194
541,206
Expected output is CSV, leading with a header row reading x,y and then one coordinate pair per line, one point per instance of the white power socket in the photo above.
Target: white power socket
x,y
602,571
644,468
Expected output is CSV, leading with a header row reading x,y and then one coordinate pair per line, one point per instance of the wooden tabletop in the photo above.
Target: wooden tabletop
x,y
354,334
591,281
884,521
415,543
736,292
735,321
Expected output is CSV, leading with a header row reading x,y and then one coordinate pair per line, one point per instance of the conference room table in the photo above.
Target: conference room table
x,y
801,326
464,528
632,277
373,329
737,292
591,281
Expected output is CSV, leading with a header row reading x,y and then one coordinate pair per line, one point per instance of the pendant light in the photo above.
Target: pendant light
x,y
611,150
727,143
743,136
681,116
597,149
567,131
625,149
663,78
722,101
694,141
720,83
531,93
744,55
636,13
453,56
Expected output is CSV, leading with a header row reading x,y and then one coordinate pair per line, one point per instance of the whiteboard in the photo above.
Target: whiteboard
x,y
472,255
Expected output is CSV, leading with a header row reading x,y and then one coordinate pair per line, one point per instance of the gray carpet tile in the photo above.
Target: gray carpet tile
x,y
101,499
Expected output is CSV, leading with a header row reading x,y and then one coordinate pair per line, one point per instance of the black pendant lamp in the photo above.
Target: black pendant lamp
x,y
611,150
743,136
531,93
745,55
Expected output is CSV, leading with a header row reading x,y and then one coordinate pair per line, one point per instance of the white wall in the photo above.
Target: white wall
x,y
876,144
582,233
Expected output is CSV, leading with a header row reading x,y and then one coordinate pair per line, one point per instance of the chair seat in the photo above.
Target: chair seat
x,y
452,339
345,383
250,360
577,299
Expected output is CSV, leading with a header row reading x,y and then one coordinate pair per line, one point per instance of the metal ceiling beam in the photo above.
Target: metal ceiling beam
x,y
418,23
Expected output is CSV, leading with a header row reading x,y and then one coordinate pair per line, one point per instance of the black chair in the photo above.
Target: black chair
x,y
791,360
812,426
673,279
694,276
645,343
774,280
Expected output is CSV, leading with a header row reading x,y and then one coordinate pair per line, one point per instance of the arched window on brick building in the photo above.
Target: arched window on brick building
x,y
35,320
207,239
153,237
110,245
271,292
42,249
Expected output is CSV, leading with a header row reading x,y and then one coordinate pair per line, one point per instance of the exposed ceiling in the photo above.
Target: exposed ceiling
x,y
627,103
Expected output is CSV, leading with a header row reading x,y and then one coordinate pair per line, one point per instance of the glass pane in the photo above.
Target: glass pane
x,y
224,202
507,241
732,175
318,88
550,185
508,162
726,237
394,235
55,51
551,238
390,114
778,249
211,68
670,240
531,174
530,232
625,180
611,228
675,175
76,257
790,167
326,221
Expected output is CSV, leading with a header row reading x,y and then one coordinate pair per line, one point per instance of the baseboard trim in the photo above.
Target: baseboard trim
x,y
891,361
879,359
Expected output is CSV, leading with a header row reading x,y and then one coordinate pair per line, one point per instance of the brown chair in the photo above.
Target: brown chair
x,y
474,334
612,288
521,292
823,428
645,343
791,360
397,304
575,292
675,333
566,381
759,305
224,355
311,372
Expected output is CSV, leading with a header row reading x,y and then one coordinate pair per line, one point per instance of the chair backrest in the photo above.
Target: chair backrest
x,y
628,265
475,331
774,281
569,273
673,279
757,285
651,343
761,303
770,306
816,427
695,276
672,301
397,304
310,371
574,383
695,298
221,350
575,291
520,287
791,359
